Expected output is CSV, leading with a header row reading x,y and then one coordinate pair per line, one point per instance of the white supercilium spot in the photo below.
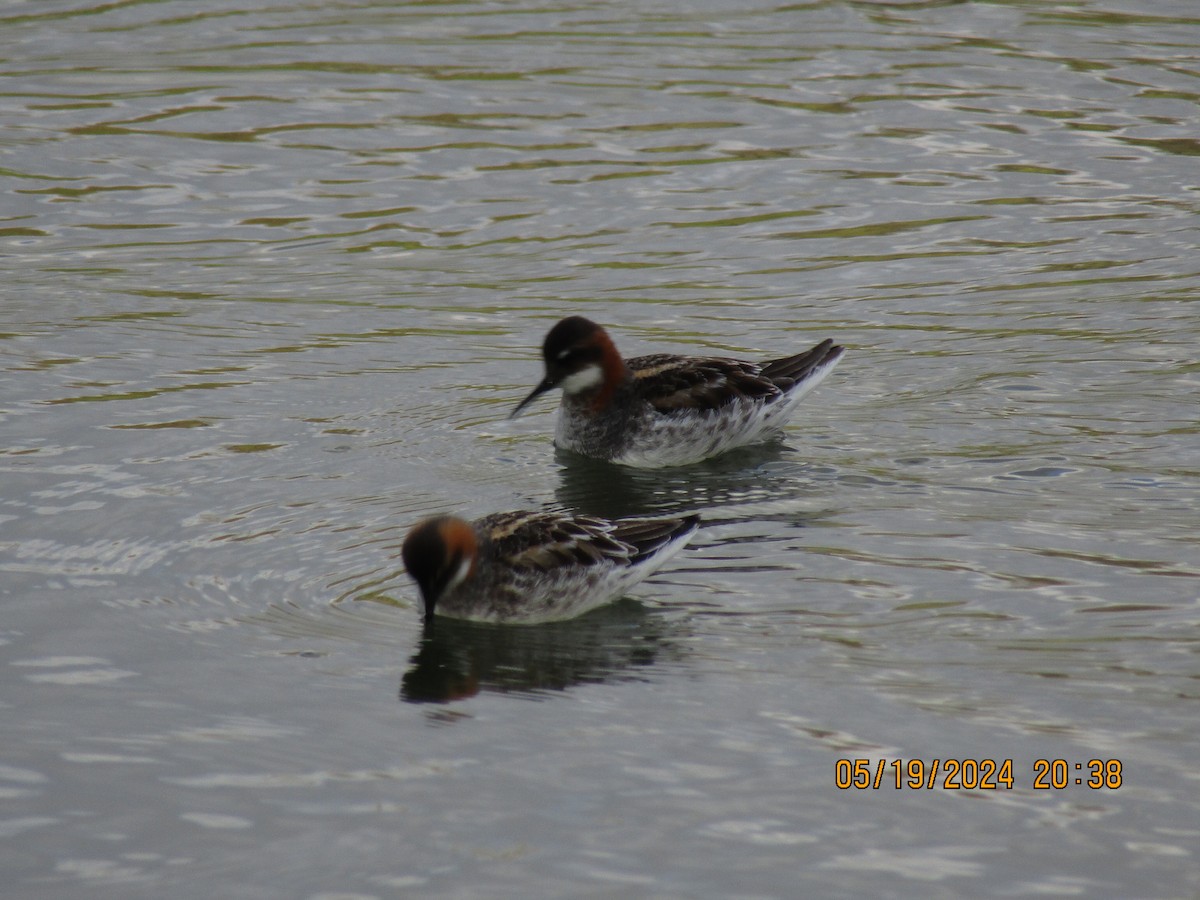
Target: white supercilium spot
x,y
583,380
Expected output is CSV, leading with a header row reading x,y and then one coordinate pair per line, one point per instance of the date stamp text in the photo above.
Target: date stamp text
x,y
976,774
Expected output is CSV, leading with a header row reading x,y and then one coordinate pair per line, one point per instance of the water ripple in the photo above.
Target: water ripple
x,y
275,275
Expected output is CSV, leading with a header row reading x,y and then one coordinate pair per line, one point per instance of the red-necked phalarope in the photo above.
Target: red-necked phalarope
x,y
529,567
665,410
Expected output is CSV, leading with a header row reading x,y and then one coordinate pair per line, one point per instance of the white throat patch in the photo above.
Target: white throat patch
x,y
583,380
464,569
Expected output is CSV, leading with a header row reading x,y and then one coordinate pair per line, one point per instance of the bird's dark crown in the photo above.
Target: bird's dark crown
x,y
573,343
433,553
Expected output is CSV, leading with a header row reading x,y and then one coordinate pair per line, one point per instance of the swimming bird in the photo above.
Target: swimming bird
x,y
667,410
529,567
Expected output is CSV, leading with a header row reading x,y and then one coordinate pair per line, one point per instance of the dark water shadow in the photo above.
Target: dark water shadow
x,y
456,659
715,488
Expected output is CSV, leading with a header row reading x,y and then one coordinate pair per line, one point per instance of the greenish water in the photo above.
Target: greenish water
x,y
273,280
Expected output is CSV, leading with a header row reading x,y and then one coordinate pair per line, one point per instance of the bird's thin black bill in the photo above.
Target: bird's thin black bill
x,y
546,385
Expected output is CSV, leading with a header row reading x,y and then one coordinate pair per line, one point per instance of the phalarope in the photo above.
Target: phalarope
x,y
529,567
666,410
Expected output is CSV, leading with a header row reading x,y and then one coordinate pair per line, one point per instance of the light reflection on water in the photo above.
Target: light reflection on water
x,y
274,279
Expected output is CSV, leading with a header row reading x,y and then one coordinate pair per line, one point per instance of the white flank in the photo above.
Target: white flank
x,y
691,437
575,593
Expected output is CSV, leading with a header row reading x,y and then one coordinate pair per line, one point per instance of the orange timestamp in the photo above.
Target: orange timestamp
x,y
975,774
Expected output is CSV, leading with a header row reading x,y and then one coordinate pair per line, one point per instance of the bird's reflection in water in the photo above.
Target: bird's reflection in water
x,y
740,478
458,659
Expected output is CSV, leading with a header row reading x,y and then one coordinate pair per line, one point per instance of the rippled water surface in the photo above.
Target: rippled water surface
x,y
273,277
